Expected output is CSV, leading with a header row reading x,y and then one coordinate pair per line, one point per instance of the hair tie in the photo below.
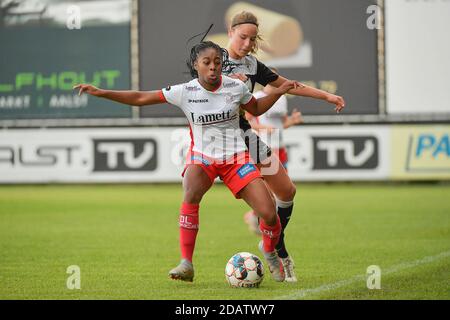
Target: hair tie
x,y
245,22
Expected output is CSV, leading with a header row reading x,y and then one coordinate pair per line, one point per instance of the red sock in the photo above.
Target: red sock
x,y
188,229
270,234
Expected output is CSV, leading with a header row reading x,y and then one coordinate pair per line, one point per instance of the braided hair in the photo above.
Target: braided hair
x,y
200,47
227,65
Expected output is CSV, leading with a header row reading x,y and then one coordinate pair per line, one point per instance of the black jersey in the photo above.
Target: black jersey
x,y
256,71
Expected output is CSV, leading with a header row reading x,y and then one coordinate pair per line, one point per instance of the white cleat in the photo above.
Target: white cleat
x,y
289,266
184,271
274,262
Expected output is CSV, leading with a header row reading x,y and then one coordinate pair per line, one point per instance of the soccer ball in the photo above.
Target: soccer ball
x,y
244,270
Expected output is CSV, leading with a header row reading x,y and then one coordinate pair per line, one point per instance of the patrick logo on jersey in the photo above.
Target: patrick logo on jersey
x,y
213,118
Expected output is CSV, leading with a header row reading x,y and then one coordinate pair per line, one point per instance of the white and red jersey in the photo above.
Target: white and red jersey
x,y
274,117
213,115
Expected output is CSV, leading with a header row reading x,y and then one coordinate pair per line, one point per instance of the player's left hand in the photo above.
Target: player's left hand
x,y
286,86
337,101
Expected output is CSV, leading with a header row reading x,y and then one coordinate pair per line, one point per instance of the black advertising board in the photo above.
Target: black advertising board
x,y
331,47
49,46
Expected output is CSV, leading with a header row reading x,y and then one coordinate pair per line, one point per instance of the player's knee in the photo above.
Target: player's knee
x,y
193,195
268,214
293,191
288,193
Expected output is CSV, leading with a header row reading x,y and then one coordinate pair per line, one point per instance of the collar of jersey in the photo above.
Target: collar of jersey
x,y
213,90
241,60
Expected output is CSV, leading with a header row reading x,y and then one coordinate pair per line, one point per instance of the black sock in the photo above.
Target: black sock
x,y
284,210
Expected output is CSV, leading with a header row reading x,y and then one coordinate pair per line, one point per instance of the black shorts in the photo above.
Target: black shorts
x,y
259,151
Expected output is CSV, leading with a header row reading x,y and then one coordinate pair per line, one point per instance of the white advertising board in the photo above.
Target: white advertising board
x,y
316,153
417,56
90,155
337,153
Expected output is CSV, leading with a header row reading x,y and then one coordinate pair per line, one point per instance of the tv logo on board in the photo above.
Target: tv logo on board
x,y
125,155
354,153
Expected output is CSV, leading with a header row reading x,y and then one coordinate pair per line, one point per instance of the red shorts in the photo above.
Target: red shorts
x,y
236,172
282,155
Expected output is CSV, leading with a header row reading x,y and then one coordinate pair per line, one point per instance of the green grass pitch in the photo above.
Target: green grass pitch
x,y
124,238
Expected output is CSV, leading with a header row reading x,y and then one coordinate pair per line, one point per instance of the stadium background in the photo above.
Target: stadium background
x,y
395,128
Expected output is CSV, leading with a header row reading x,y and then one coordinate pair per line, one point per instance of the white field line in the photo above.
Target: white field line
x,y
332,286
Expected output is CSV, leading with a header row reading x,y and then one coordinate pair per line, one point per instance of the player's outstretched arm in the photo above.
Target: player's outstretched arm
x,y
307,91
129,97
260,106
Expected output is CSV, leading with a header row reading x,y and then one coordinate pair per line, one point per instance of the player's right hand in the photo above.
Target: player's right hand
x,y
89,89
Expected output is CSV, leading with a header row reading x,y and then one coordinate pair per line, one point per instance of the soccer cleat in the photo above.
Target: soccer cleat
x,y
274,262
184,271
253,222
289,266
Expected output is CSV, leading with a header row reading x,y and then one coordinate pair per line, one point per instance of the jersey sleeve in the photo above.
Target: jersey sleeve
x,y
246,94
264,75
259,94
173,94
279,109
283,108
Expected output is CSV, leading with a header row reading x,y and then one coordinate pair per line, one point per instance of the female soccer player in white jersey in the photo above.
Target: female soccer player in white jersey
x,y
211,103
